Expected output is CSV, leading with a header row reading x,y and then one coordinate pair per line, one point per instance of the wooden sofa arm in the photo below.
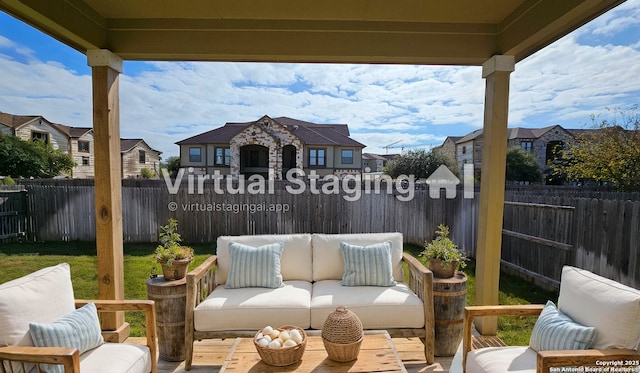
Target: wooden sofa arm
x,y
421,283
146,306
68,357
502,310
200,283
580,358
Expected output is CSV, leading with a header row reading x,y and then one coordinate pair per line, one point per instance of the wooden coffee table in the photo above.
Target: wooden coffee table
x,y
377,354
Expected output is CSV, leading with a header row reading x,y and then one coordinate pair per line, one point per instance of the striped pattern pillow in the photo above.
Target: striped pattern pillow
x,y
556,331
254,266
79,329
367,265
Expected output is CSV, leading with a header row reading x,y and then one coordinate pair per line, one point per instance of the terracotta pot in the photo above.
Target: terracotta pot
x,y
177,270
435,265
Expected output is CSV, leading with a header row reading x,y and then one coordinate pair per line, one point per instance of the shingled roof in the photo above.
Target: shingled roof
x,y
309,133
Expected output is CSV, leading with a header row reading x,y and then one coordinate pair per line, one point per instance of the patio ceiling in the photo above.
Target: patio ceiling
x,y
459,32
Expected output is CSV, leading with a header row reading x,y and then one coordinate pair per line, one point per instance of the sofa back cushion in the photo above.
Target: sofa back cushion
x,y
327,257
295,263
612,308
42,296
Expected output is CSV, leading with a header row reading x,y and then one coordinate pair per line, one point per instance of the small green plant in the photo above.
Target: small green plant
x,y
444,249
170,248
7,181
147,173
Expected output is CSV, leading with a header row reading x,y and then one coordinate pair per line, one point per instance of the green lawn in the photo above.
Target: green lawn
x,y
20,259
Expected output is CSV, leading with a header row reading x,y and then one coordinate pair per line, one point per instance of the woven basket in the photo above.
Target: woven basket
x,y
284,356
342,335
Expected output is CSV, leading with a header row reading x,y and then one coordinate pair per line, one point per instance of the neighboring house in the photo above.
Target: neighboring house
x,y
277,144
78,142
543,143
448,147
373,162
135,155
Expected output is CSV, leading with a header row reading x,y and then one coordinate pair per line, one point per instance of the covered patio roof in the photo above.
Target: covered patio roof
x,y
491,33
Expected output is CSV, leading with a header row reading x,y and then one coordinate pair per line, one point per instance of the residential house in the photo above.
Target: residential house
x,y
448,147
543,143
277,144
78,142
136,155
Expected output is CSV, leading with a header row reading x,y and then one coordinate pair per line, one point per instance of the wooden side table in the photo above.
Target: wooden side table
x,y
170,298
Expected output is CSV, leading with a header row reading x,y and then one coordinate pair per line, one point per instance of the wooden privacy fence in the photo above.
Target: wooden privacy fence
x,y
66,211
13,214
542,232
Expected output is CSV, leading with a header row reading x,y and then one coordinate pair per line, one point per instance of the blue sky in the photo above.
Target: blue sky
x,y
589,72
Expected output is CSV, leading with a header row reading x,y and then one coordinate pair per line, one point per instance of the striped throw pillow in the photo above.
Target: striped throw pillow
x,y
556,331
79,329
367,265
254,266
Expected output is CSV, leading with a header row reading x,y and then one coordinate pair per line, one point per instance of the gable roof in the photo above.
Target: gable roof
x,y
309,133
15,121
518,133
127,145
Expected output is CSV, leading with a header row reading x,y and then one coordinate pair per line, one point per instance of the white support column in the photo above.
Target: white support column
x,y
496,71
106,69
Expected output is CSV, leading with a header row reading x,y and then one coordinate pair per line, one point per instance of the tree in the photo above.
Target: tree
x,y
172,165
610,152
22,158
522,165
419,163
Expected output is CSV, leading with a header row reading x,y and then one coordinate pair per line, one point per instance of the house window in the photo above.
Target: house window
x,y
85,161
35,136
317,157
347,156
195,155
142,156
223,157
464,150
83,146
527,146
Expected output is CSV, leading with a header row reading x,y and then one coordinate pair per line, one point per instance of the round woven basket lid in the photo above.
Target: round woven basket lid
x,y
342,326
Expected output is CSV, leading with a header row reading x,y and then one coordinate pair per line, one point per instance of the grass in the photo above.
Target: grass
x,y
20,259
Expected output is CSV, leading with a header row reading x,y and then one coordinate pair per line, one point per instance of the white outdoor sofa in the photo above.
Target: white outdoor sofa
x,y
585,298
312,267
45,300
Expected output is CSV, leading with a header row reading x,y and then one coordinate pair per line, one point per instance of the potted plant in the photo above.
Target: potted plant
x,y
443,255
172,256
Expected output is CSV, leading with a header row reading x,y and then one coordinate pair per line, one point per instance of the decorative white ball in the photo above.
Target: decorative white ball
x,y
267,330
284,335
289,343
295,335
258,336
267,337
262,342
274,344
274,334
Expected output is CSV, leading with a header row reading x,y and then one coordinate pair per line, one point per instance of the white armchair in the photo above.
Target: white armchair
x,y
587,299
44,301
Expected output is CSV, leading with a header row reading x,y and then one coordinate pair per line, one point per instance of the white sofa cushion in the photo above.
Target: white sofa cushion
x,y
116,357
295,263
519,359
42,296
255,308
377,307
612,308
327,259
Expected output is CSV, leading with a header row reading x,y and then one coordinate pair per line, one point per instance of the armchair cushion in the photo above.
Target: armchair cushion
x,y
367,265
42,296
556,331
612,308
519,359
79,329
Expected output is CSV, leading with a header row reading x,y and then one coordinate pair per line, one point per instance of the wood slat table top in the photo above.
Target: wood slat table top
x,y
377,354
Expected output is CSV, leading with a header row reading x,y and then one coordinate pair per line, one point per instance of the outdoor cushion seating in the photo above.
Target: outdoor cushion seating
x,y
39,310
586,301
314,284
